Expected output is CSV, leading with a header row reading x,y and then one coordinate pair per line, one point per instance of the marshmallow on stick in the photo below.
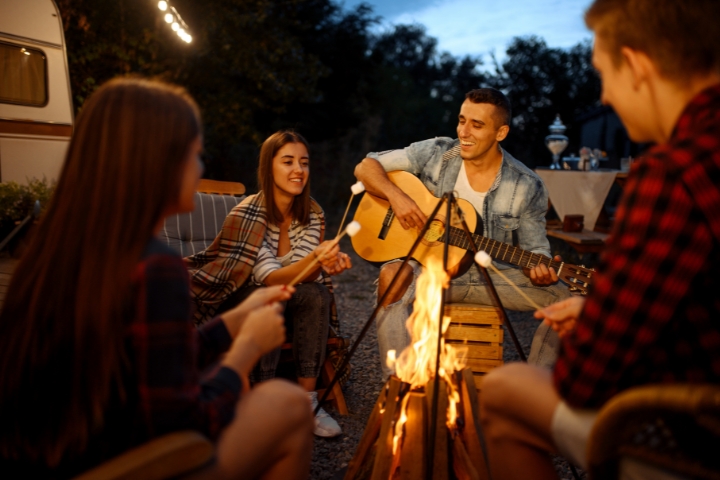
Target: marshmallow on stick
x,y
485,261
356,189
352,229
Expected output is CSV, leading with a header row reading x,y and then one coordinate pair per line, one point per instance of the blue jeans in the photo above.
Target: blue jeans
x,y
307,320
470,288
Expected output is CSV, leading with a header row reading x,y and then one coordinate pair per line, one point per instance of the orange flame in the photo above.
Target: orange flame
x,y
416,364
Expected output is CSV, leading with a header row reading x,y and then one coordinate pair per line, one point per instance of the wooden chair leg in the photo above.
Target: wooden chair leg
x,y
336,396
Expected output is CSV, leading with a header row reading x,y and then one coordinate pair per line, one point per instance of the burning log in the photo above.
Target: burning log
x,y
462,464
413,454
471,433
406,437
441,451
397,448
384,454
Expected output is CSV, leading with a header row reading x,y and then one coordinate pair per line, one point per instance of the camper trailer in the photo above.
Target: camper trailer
x,y
36,115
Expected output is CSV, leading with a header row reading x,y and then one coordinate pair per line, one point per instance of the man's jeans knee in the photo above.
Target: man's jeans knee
x,y
471,288
392,333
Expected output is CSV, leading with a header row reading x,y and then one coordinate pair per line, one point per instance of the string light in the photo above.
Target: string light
x,y
176,22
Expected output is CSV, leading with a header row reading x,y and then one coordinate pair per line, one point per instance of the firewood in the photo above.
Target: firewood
x,y
414,448
462,464
368,440
384,454
441,452
472,431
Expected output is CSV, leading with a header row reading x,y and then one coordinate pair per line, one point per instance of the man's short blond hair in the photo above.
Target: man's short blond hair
x,y
681,37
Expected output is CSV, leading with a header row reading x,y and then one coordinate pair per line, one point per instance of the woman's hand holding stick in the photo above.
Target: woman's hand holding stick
x,y
352,229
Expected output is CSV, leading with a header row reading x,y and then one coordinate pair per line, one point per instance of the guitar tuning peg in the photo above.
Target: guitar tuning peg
x,y
573,288
583,266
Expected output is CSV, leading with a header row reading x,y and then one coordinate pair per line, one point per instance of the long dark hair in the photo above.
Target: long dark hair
x,y
301,203
61,328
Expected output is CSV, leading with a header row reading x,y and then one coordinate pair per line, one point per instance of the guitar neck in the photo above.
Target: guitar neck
x,y
501,251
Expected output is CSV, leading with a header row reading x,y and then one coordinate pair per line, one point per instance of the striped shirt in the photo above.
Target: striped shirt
x,y
303,240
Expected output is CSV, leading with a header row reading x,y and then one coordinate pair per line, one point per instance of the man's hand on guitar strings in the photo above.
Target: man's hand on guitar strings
x,y
542,275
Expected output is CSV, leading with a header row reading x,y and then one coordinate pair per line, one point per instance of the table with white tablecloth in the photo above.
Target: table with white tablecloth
x,y
575,192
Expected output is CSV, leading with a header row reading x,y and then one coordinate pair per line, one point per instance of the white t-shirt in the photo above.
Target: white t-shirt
x,y
466,192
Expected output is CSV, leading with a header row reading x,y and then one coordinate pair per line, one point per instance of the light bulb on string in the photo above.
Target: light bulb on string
x,y
162,5
169,18
175,26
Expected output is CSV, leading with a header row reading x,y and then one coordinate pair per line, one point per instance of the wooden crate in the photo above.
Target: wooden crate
x,y
480,329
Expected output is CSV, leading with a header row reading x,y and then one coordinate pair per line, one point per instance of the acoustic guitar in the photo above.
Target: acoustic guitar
x,y
382,238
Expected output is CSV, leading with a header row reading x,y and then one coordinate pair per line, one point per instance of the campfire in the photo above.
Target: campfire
x,y
403,439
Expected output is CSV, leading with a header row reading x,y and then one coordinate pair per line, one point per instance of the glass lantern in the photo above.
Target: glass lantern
x,y
556,142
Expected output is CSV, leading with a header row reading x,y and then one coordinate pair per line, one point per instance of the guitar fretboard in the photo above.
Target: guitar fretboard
x,y
501,251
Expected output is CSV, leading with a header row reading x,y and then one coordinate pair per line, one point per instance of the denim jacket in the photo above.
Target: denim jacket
x,y
517,201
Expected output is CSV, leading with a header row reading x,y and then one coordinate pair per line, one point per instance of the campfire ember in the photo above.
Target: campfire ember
x,y
397,439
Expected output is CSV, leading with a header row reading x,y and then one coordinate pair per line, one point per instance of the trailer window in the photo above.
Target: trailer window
x,y
23,75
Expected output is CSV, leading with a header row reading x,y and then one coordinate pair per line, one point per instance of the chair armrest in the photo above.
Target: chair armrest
x,y
163,457
675,427
220,187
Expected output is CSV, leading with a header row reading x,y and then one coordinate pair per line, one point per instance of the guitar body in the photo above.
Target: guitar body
x,y
372,212
381,237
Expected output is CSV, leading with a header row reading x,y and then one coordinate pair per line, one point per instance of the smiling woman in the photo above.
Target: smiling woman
x,y
268,239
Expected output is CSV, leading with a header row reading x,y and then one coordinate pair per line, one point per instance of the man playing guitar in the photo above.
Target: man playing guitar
x,y
509,197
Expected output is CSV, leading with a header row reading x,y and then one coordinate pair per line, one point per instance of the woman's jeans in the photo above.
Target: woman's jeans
x,y
307,319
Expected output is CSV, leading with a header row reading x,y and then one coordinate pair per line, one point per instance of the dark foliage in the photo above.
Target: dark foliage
x,y
542,82
256,66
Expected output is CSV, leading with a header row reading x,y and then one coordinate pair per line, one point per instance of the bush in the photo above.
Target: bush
x,y
17,201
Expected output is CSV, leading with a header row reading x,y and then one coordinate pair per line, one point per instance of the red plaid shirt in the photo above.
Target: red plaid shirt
x,y
168,385
653,315
170,355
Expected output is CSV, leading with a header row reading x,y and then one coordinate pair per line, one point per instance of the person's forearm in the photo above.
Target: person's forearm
x,y
243,356
284,275
371,173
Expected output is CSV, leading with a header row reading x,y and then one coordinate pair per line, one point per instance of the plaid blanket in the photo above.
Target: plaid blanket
x,y
226,265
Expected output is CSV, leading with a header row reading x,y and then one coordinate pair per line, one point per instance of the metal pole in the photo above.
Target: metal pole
x,y
493,292
365,328
450,198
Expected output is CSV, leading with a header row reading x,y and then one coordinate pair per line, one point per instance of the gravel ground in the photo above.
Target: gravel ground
x,y
354,290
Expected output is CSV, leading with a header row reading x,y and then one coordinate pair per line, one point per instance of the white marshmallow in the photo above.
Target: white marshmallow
x,y
483,259
352,228
390,360
358,188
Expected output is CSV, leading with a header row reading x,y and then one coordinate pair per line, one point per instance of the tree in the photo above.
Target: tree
x,y
417,90
256,66
540,83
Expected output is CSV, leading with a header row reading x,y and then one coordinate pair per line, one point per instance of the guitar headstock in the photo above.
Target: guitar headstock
x,y
577,277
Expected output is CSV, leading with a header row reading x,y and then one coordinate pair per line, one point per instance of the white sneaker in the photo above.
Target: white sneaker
x,y
325,425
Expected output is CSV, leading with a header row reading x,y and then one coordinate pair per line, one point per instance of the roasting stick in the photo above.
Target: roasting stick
x,y
485,261
352,228
356,189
